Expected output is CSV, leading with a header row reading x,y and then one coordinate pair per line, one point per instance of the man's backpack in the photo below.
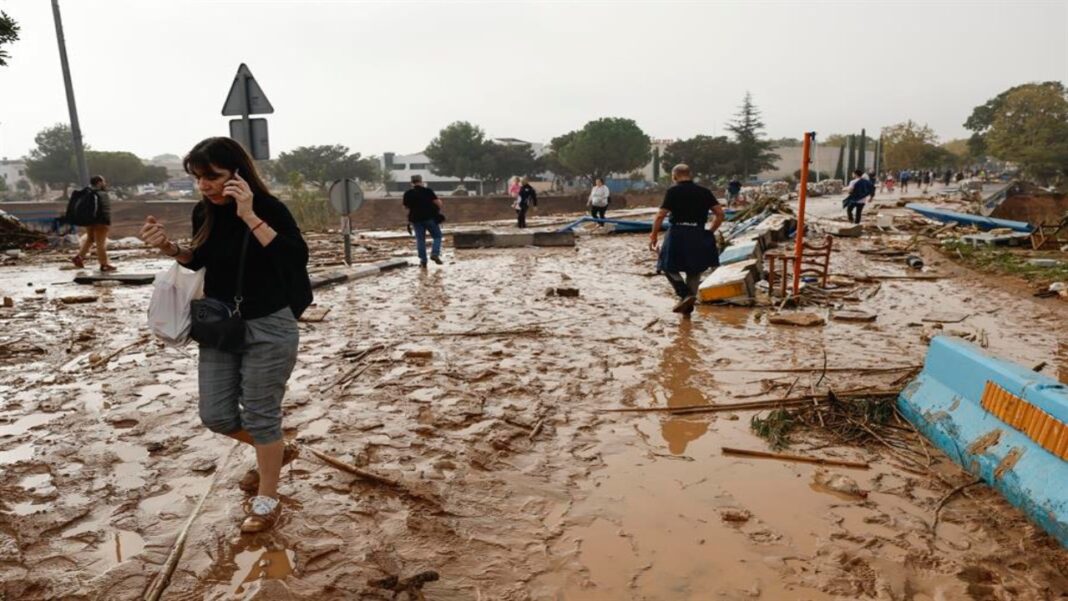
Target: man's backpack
x,y
83,207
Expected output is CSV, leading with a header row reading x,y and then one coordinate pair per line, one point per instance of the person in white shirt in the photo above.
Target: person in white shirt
x,y
598,201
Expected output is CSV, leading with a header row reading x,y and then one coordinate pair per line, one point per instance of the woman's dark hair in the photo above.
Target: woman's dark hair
x,y
227,154
96,180
858,172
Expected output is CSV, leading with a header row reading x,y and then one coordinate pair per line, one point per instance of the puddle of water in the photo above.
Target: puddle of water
x,y
318,427
183,490
154,391
253,565
40,484
118,546
19,453
29,508
27,423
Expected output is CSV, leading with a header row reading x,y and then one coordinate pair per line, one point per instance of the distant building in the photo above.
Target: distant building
x,y
823,159
12,172
404,166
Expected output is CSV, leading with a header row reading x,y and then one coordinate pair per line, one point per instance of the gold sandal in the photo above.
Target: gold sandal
x,y
258,522
250,483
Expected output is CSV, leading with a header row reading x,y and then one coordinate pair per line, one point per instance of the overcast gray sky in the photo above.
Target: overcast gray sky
x,y
151,76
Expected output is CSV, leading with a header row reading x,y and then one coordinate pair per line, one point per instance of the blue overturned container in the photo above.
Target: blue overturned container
x,y
1001,422
980,221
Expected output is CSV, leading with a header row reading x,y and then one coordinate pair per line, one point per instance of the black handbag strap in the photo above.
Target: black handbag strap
x,y
241,274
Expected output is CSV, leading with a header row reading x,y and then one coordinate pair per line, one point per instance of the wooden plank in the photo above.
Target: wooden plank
x,y
314,314
130,279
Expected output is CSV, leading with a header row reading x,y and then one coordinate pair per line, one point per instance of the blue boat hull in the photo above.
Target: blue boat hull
x,y
983,223
946,403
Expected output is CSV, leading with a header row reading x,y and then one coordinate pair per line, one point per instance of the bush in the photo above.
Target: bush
x,y
811,175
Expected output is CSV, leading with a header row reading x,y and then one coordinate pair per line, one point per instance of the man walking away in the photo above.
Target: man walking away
x,y
424,213
689,247
860,190
904,179
97,232
528,197
734,189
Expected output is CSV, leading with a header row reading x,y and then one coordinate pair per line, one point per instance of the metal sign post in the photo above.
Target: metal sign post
x,y
247,98
346,197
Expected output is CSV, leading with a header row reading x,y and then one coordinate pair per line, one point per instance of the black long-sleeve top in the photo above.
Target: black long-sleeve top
x,y
528,196
276,275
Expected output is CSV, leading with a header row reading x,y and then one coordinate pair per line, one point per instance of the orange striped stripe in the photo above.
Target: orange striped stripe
x,y
1047,431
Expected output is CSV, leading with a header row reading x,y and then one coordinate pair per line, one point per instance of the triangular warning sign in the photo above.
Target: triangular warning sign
x,y
235,100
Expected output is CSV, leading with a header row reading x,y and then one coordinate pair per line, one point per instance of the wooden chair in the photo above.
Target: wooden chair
x,y
1048,236
815,261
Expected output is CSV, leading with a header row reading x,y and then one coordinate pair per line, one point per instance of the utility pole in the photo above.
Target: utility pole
x,y
76,130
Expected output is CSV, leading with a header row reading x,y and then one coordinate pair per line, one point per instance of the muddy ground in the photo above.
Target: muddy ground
x,y
487,399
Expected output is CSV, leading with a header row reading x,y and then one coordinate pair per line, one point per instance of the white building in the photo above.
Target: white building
x,y
12,172
404,166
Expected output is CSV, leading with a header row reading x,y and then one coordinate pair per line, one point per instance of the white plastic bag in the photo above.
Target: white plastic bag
x,y
168,312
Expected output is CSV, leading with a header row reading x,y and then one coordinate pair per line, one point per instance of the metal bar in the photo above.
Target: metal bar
x,y
799,244
75,128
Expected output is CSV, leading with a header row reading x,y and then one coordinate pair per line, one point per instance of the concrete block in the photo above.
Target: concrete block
x,y
732,282
554,238
1002,422
741,251
513,240
479,239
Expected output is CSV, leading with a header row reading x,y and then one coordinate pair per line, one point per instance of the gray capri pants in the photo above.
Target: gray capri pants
x,y
244,390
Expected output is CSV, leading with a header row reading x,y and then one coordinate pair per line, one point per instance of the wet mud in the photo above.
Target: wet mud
x,y
486,399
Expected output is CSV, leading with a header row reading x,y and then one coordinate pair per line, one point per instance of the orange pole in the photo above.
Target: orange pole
x,y
799,244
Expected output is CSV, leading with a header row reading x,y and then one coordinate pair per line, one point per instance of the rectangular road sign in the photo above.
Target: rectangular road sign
x,y
259,147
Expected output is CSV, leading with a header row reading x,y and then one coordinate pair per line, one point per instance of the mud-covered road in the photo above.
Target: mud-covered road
x,y
486,398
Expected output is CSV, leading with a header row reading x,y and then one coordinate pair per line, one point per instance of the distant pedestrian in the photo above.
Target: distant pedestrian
x,y
926,179
528,198
734,190
513,192
960,177
860,189
888,183
424,215
689,248
97,232
598,201
947,177
904,178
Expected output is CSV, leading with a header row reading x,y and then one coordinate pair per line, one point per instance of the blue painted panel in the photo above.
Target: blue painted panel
x,y
983,223
944,403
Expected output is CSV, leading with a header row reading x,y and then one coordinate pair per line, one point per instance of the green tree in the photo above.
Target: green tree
x,y
457,150
52,162
982,117
385,177
910,145
605,146
754,153
786,142
9,34
498,162
862,152
320,165
1030,128
841,139
124,169
707,156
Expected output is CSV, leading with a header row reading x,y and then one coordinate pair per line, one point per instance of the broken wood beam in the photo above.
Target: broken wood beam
x,y
798,458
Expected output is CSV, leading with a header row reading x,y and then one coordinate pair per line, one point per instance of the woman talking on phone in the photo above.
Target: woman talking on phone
x,y
255,286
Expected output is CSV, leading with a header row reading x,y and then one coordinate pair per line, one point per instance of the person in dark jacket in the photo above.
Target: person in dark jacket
x,y
424,214
241,392
860,190
689,247
528,197
734,189
97,232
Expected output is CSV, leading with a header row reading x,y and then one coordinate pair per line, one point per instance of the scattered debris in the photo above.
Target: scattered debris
x,y
801,319
797,458
79,299
839,483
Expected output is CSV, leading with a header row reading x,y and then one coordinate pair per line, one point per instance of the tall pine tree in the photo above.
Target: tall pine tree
x,y
862,158
839,170
754,152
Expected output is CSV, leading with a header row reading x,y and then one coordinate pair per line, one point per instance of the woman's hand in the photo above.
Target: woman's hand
x,y
237,188
153,233
653,246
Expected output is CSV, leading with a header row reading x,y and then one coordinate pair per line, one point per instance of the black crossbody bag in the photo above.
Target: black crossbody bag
x,y
214,324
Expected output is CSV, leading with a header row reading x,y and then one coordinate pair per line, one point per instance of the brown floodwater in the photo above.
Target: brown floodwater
x,y
490,396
